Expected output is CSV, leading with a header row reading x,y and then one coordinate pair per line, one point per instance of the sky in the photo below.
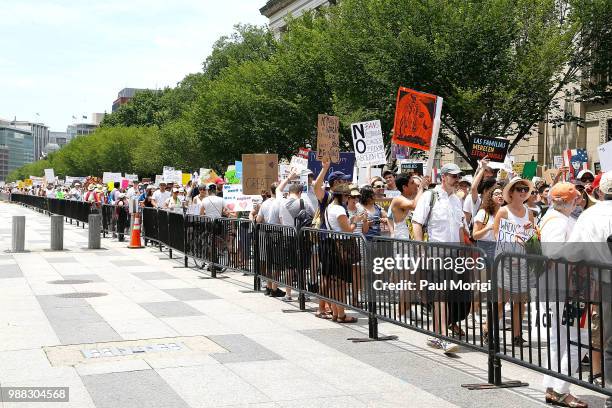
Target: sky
x,y
65,58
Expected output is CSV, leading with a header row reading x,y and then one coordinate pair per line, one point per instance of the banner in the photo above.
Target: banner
x,y
414,118
605,156
234,200
412,166
576,160
49,175
495,149
328,144
346,164
368,143
259,172
530,169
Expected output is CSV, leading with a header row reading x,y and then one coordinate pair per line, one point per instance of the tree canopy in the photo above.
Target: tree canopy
x,y
498,64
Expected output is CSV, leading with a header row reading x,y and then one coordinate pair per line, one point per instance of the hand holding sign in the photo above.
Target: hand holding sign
x,y
328,145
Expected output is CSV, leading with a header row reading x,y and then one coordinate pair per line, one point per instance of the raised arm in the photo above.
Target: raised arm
x,y
319,186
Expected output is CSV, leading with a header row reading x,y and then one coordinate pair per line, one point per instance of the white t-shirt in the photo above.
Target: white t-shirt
x,y
269,211
555,227
289,205
196,204
469,206
50,193
171,204
332,213
160,198
480,217
213,206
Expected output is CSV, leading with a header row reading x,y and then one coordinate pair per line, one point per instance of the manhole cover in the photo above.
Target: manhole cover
x,y
69,281
82,295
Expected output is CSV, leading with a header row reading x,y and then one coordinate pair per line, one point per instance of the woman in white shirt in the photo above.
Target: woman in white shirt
x,y
484,220
337,275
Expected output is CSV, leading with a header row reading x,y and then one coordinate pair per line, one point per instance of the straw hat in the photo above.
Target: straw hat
x,y
508,188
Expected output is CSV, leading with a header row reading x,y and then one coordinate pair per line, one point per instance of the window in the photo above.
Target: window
x,y
609,130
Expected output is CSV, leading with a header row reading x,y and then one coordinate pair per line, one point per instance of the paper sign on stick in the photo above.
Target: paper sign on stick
x,y
368,143
605,156
328,145
49,175
259,172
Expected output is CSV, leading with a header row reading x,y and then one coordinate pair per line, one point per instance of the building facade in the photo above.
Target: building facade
x,y
40,134
124,96
16,148
277,10
80,129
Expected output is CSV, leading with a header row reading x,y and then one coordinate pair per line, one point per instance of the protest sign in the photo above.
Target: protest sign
x,y
299,163
208,176
159,179
186,177
495,149
576,160
512,236
259,172
125,183
131,177
415,113
345,164
238,165
303,152
231,178
71,180
360,177
529,169
558,162
549,176
27,182
37,181
49,175
392,193
605,156
168,174
235,200
328,145
368,143
517,168
399,152
283,171
106,177
412,166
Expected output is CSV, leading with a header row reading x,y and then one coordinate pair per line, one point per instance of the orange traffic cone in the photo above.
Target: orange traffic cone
x,y
135,241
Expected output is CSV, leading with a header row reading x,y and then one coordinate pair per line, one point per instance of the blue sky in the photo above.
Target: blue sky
x,y
63,58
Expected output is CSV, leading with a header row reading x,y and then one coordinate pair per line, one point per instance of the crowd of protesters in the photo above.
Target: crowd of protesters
x,y
455,210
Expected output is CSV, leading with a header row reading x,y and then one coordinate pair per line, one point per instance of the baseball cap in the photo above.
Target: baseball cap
x,y
219,180
337,175
175,190
181,190
605,183
583,172
565,191
450,168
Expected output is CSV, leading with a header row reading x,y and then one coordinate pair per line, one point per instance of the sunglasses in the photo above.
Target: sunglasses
x,y
587,180
379,186
534,192
454,175
521,189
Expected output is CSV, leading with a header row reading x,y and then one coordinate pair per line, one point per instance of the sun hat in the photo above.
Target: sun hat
x,y
564,191
605,183
510,185
90,187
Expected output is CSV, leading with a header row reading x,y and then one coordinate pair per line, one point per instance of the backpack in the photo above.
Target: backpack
x,y
303,218
317,221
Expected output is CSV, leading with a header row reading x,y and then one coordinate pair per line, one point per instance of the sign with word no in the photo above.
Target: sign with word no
x,y
368,143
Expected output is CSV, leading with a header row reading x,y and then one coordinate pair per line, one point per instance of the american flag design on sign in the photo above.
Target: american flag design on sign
x,y
577,160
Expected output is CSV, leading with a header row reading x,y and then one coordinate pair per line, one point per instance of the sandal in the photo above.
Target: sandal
x,y
323,316
457,331
555,398
345,319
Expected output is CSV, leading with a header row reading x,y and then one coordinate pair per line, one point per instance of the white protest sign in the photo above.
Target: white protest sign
x,y
605,156
234,200
131,177
37,181
392,193
299,163
158,179
512,236
117,177
107,177
558,162
361,177
168,174
49,175
368,143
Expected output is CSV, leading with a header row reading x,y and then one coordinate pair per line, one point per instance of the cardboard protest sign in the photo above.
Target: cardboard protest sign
x,y
368,143
495,149
328,144
259,172
415,113
299,163
558,162
412,166
605,156
549,176
345,164
49,175
529,169
577,160
234,200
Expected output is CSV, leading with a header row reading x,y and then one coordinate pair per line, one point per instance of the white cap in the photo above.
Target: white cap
x,y
583,172
605,184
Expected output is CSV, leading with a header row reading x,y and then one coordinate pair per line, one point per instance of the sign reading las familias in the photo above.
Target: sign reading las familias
x,y
259,171
495,149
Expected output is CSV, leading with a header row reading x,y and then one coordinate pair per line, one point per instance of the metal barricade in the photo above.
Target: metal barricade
x,y
550,314
150,225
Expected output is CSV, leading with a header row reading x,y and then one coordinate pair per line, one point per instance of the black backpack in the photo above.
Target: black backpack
x,y
303,218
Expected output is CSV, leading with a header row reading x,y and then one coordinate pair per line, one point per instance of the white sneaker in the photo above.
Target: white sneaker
x,y
446,346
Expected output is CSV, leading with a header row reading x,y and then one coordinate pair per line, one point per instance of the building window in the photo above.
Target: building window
x,y
609,130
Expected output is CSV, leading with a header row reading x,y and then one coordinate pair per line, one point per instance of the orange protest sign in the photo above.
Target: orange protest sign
x,y
328,145
414,119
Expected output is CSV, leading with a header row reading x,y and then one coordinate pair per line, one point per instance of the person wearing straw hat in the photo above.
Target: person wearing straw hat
x,y
514,281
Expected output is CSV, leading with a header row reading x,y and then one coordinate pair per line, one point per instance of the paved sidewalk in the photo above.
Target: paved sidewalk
x,y
131,328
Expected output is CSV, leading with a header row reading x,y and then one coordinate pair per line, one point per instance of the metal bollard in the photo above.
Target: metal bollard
x,y
18,233
95,225
57,233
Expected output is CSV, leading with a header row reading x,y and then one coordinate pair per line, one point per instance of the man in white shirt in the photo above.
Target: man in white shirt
x,y
439,212
269,214
161,195
50,193
133,190
212,204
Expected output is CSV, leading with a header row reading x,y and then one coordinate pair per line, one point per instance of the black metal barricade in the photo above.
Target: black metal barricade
x,y
150,222
176,231
420,284
40,203
551,314
278,257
